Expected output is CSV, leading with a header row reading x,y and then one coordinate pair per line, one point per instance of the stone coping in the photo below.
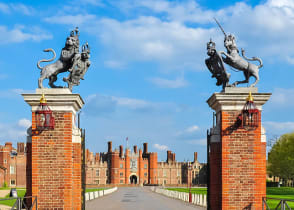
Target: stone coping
x,y
234,100
58,99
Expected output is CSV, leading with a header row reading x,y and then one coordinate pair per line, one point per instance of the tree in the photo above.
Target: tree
x,y
281,157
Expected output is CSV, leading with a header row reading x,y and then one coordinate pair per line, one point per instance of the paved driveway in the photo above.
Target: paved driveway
x,y
138,198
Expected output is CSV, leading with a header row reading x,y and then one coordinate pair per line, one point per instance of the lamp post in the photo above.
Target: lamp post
x,y
189,172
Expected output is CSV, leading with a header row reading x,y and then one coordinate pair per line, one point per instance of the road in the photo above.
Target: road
x,y
138,198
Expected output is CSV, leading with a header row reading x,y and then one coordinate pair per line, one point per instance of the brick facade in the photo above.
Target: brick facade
x,y
138,167
237,157
13,165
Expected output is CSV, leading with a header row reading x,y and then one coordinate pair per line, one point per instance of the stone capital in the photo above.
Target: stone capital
x,y
235,98
58,99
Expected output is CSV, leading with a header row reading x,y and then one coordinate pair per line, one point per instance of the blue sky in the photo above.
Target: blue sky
x,y
147,79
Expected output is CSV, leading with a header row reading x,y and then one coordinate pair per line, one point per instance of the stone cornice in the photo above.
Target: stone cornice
x,y
235,101
58,99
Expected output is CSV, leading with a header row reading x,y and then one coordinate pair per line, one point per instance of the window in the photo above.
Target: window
x,y
164,172
192,174
121,174
97,181
179,182
178,173
145,166
12,171
121,165
97,173
145,174
5,161
121,181
106,173
164,181
12,182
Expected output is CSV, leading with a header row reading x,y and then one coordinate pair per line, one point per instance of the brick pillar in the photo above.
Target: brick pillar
x,y
237,156
114,173
140,168
127,166
153,168
54,156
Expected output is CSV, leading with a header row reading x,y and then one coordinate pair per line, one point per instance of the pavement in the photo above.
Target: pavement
x,y
138,198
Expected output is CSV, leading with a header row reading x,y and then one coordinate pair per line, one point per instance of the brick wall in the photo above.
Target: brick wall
x,y
238,166
54,164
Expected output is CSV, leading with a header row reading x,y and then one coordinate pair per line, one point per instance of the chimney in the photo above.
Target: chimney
x,y
109,146
168,156
195,157
135,149
8,145
20,147
97,157
121,153
145,148
174,156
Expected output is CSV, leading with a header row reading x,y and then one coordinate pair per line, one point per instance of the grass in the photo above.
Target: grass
x,y
94,189
193,190
20,193
280,193
271,192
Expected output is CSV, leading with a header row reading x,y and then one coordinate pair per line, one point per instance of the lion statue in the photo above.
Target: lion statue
x,y
63,64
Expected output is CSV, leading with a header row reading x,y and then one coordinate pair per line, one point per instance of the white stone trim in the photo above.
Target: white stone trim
x,y
58,99
235,101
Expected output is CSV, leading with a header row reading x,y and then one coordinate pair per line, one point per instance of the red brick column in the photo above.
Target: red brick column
x,y
54,156
237,156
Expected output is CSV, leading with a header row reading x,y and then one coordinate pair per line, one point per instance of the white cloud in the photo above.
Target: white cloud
x,y
114,64
16,8
133,103
152,39
166,83
192,129
160,147
201,142
13,93
17,34
75,20
279,127
23,9
282,97
14,131
25,123
4,8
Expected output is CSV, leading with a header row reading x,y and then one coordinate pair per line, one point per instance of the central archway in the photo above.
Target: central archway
x,y
133,179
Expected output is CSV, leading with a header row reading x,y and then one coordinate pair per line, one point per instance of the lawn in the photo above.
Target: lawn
x,y
193,190
20,193
94,189
281,193
271,192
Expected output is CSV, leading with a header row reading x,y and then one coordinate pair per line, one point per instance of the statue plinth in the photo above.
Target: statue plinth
x,y
54,156
237,157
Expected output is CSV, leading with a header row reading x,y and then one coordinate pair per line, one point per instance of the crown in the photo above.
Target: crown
x,y
210,44
86,48
75,32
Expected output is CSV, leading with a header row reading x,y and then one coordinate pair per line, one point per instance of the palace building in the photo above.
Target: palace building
x,y
121,167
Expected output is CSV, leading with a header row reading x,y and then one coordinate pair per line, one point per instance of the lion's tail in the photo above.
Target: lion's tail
x,y
253,59
47,60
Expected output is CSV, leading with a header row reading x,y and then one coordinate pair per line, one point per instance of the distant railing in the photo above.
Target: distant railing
x,y
24,203
197,199
100,193
283,204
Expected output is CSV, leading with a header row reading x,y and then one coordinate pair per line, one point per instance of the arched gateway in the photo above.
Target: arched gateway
x,y
133,179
